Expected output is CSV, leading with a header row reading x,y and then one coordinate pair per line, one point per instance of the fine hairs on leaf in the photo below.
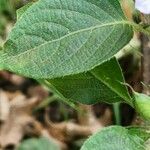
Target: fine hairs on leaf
x,y
58,38
116,138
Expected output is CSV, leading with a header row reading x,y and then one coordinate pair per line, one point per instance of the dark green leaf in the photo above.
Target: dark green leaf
x,y
104,83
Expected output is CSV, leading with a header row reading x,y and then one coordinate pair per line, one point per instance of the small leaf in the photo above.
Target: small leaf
x,y
142,104
38,144
55,38
114,138
104,83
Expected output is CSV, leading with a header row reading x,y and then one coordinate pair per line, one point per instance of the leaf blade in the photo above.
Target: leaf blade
x,y
93,87
71,37
114,138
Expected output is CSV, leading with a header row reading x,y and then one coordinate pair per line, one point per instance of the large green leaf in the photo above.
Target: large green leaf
x,y
23,9
38,144
104,83
114,138
54,38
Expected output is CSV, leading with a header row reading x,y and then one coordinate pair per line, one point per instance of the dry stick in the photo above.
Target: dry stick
x,y
145,46
145,63
146,57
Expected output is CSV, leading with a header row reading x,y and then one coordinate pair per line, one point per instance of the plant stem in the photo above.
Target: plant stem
x,y
46,102
140,28
116,109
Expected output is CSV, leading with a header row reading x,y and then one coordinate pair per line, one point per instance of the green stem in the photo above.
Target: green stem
x,y
46,102
59,95
116,108
139,27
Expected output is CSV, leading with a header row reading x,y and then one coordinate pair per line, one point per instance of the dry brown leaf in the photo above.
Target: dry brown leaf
x,y
4,107
19,121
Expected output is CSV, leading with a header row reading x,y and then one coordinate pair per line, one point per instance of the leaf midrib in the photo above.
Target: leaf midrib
x,y
70,34
78,50
113,89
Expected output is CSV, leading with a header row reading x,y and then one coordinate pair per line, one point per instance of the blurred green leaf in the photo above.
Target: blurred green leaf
x,y
142,104
38,144
6,5
141,132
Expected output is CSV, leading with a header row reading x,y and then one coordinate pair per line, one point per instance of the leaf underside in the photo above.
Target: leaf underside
x,y
64,37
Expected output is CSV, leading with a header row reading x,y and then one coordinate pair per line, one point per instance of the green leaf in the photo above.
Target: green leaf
x,y
114,138
55,38
142,104
104,83
38,144
23,9
141,132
